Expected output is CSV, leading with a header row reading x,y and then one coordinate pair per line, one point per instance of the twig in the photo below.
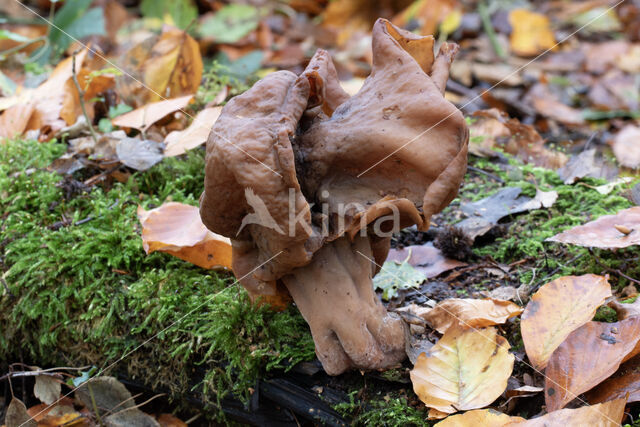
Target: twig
x,y
612,270
483,172
20,374
81,99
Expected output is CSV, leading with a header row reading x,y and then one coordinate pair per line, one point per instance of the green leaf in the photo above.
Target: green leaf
x,y
7,86
105,125
231,23
118,110
10,35
176,12
394,276
77,21
607,115
242,67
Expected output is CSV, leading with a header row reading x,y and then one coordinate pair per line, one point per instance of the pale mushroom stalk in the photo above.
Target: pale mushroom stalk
x,y
316,225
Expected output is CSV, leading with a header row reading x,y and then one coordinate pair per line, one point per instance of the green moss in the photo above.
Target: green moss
x,y
576,205
88,293
389,411
606,314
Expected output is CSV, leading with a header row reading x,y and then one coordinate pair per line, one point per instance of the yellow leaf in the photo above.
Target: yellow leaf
x,y
466,369
176,228
174,65
479,417
470,313
531,33
557,309
607,414
451,22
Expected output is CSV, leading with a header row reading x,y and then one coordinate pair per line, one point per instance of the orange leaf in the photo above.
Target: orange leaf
x,y
607,414
556,310
625,310
147,115
479,417
466,369
587,357
603,233
178,142
470,313
625,380
531,33
176,228
168,420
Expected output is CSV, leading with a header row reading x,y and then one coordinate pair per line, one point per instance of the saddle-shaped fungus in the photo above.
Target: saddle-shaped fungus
x,y
309,183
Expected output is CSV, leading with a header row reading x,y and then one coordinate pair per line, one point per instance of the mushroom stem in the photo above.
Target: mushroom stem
x,y
349,324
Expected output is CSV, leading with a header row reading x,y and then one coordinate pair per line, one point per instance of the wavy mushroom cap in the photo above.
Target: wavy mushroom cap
x,y
397,145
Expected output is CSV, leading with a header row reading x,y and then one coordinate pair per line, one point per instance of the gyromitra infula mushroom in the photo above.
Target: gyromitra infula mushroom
x,y
309,182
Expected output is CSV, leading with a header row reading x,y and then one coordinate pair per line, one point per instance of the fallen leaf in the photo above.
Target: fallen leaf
x,y
466,369
602,233
625,380
47,389
424,258
17,416
556,310
547,105
426,15
484,214
588,356
147,115
524,141
168,420
470,313
609,187
625,310
178,142
231,23
531,33
479,417
396,275
609,414
582,165
174,65
177,229
626,146
43,108
139,154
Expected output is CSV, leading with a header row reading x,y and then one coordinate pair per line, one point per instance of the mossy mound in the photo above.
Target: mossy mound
x,y
79,288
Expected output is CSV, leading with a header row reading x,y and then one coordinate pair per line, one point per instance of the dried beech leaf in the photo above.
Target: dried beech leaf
x,y
47,389
174,66
625,310
479,417
17,415
531,32
626,147
625,380
470,313
178,142
143,117
588,356
45,108
524,142
466,369
607,414
556,310
168,420
602,233
176,228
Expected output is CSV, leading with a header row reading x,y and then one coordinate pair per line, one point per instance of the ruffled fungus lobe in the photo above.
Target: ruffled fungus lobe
x,y
309,182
